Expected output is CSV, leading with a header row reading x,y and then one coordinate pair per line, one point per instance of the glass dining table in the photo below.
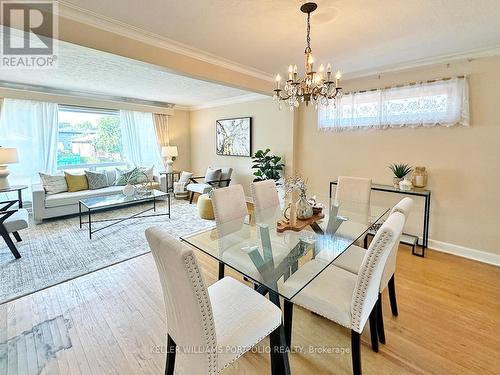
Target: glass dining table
x,y
254,247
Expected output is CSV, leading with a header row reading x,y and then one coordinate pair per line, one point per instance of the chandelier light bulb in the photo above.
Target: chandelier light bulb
x,y
329,68
295,69
321,68
338,75
278,78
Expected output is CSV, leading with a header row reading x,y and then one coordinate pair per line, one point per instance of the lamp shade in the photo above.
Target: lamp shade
x,y
169,151
8,155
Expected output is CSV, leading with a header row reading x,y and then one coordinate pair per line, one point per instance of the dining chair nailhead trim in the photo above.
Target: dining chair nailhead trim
x,y
365,275
206,310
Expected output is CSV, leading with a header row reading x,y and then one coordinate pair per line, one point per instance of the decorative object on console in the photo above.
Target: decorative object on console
x,y
315,87
76,182
419,177
233,137
8,155
399,171
169,153
405,184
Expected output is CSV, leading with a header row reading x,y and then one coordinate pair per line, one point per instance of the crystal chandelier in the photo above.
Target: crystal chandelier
x,y
316,87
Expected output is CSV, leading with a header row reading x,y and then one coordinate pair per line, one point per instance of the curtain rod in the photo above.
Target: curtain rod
x,y
82,94
406,84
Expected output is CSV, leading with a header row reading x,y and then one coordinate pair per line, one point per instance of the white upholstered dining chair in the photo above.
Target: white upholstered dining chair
x,y
266,202
346,298
219,323
353,189
352,259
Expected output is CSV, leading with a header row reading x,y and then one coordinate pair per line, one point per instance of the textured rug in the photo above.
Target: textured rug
x,y
58,250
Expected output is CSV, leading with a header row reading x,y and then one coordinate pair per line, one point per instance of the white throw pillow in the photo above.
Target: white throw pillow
x,y
185,176
53,184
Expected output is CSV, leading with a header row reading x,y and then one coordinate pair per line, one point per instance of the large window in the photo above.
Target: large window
x,y
443,102
89,138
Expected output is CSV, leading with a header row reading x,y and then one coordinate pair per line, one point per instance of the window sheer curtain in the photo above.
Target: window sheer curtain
x,y
161,127
31,127
139,140
444,102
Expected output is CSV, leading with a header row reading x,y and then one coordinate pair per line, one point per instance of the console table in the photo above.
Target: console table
x,y
408,239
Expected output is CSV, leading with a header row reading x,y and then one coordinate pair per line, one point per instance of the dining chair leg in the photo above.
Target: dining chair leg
x,y
288,320
17,236
192,196
221,270
373,329
392,296
356,352
171,350
380,320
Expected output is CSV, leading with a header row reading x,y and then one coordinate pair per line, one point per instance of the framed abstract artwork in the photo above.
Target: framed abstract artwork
x,y
233,136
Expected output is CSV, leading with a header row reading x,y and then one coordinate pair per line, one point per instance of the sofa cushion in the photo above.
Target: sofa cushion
x,y
67,198
76,182
184,177
53,184
110,176
96,180
199,188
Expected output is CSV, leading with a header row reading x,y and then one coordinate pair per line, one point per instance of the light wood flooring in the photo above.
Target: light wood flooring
x,y
110,321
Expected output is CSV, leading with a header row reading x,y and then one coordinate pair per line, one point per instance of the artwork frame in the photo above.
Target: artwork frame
x,y
233,136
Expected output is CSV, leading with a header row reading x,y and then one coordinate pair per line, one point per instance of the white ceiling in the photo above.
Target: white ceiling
x,y
86,70
355,35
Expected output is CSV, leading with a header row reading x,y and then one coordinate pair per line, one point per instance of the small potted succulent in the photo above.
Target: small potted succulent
x,y
399,171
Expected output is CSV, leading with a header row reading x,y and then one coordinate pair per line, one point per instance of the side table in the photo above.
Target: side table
x,y
19,189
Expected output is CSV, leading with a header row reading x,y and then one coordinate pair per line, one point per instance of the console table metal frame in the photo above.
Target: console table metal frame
x,y
170,179
426,194
120,219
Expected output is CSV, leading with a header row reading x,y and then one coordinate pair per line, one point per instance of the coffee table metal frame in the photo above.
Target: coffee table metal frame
x,y
115,221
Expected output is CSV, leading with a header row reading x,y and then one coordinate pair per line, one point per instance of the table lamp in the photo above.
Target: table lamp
x,y
170,153
8,155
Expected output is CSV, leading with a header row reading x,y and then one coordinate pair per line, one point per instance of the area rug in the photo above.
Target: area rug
x,y
57,250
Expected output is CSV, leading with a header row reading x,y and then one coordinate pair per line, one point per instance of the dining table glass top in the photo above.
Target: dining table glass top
x,y
254,247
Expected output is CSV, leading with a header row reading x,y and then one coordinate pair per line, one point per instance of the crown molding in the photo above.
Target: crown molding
x,y
234,100
90,18
428,61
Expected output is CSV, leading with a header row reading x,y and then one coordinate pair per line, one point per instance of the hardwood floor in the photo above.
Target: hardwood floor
x,y
112,322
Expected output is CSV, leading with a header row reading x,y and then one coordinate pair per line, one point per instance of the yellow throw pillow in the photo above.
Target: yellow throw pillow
x,y
76,182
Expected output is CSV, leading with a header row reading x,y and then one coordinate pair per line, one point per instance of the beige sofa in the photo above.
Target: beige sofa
x,y
47,206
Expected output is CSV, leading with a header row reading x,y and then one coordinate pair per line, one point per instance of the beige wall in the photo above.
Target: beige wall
x,y
463,163
179,131
270,128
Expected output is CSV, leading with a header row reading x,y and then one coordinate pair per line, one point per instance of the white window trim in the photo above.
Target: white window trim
x,y
394,107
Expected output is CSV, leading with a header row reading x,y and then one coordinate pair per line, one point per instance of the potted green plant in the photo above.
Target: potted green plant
x,y
268,166
399,171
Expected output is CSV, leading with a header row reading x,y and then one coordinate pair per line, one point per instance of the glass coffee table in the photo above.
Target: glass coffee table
x,y
94,204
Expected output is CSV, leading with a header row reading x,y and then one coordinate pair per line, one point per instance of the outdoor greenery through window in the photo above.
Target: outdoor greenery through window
x,y
89,137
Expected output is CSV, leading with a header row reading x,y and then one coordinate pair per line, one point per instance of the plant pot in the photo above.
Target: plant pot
x,y
396,181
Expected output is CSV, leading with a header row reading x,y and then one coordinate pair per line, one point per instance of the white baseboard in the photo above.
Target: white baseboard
x,y
465,252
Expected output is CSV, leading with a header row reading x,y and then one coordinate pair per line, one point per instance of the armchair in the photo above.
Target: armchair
x,y
12,221
213,179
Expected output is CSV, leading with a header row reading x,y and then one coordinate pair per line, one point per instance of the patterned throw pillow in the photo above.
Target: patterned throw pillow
x,y
143,174
124,177
53,184
97,180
